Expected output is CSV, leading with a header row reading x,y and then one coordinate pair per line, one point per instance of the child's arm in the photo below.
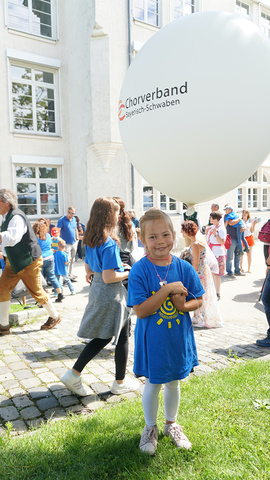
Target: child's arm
x,y
179,301
111,276
89,273
152,304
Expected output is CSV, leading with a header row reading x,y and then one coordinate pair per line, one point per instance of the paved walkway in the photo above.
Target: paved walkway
x,y
32,361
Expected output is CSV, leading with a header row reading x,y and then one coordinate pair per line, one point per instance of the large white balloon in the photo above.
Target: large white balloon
x,y
195,104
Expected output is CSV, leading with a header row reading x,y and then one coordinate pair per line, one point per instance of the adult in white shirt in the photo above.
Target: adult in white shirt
x,y
216,236
250,228
23,261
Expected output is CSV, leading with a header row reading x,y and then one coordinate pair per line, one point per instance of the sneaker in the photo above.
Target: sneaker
x,y
4,330
129,385
174,431
149,439
240,274
73,292
59,298
265,342
51,322
74,384
218,297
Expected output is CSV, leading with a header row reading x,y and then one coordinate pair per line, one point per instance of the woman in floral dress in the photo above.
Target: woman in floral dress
x,y
208,315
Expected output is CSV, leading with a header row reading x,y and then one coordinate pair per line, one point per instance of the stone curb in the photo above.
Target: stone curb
x,y
22,317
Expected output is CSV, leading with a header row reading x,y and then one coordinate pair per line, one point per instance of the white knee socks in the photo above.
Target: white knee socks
x,y
4,313
51,310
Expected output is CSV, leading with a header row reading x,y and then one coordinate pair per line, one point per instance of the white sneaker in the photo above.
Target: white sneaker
x,y
129,385
174,431
149,439
74,384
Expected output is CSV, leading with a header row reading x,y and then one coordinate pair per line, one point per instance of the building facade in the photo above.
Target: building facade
x,y
62,69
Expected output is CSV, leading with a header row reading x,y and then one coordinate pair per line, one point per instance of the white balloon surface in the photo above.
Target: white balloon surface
x,y
194,106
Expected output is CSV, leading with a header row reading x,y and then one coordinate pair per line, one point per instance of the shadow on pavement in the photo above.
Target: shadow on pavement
x,y
246,352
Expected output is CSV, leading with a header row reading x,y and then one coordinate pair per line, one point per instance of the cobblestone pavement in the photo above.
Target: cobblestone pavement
x,y
32,361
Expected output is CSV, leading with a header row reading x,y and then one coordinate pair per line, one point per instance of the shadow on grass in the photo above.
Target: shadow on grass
x,y
86,454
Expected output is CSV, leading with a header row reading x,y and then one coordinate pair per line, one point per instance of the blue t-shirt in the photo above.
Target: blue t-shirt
x,y
165,348
104,257
60,258
45,246
67,229
233,216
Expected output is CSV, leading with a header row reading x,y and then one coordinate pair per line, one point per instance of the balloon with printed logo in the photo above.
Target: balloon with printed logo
x,y
194,106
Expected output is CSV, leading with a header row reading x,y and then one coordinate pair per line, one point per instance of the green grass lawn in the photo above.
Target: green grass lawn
x,y
14,307
225,415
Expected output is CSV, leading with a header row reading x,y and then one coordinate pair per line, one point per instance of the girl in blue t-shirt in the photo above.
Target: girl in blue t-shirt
x,y
162,290
106,314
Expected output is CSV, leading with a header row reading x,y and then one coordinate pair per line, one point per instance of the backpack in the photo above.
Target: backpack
x,y
264,233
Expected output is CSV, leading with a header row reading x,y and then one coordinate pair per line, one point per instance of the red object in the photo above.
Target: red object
x,y
228,242
264,233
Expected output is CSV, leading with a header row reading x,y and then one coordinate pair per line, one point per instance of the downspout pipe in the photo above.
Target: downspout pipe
x,y
129,62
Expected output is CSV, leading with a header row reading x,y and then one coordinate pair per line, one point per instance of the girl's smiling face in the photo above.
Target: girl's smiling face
x,y
158,239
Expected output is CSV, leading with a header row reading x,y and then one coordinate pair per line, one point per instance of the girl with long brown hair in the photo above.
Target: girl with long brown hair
x,y
106,314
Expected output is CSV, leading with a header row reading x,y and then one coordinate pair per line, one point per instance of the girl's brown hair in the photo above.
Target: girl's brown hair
x,y
190,228
247,212
40,228
155,214
124,222
102,222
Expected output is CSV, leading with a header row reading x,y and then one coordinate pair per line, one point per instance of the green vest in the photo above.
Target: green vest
x,y
192,217
27,250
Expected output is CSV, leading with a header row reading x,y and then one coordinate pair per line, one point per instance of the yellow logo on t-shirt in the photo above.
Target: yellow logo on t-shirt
x,y
167,311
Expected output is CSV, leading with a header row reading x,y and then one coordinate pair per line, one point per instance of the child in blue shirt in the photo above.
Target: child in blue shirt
x,y
55,239
231,215
61,263
162,290
106,314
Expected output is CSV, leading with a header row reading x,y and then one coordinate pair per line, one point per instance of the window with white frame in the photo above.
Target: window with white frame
x,y
153,198
264,198
265,24
148,197
35,17
166,203
242,9
34,98
183,7
38,189
147,11
240,198
254,177
252,198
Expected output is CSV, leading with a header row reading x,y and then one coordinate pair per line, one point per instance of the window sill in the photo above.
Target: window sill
x,y
36,136
146,25
32,36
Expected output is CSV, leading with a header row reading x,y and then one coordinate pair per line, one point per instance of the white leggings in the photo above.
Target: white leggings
x,y
150,400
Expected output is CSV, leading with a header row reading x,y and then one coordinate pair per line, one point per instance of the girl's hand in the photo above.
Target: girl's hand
x,y
177,288
126,266
88,277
